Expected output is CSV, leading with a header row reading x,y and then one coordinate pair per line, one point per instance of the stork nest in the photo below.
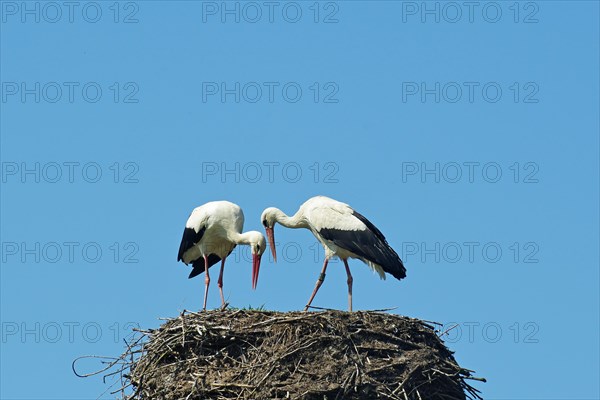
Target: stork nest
x,y
298,355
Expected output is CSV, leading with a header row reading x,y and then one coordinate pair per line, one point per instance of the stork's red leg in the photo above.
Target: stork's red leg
x,y
220,284
319,283
206,281
349,285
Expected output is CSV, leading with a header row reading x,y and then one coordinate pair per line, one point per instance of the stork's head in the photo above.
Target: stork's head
x,y
268,219
258,245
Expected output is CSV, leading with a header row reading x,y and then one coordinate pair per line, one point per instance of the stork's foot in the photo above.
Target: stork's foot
x,y
224,306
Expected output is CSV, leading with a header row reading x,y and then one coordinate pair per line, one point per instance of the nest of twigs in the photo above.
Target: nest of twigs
x,y
322,355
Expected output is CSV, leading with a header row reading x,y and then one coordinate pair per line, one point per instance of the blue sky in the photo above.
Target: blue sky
x,y
469,136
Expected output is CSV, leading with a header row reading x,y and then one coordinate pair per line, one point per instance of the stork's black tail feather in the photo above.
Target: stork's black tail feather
x,y
198,265
395,268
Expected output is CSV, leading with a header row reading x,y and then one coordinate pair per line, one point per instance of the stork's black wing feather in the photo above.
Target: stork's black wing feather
x,y
369,225
369,244
189,239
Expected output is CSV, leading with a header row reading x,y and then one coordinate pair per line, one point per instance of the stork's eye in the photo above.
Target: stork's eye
x,y
258,247
265,223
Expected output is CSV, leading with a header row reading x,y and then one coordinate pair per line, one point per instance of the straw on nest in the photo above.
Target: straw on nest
x,y
321,355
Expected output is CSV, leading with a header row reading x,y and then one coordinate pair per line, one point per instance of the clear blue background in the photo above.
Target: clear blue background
x,y
547,311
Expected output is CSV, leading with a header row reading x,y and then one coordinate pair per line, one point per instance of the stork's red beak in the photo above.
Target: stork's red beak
x,y
255,269
271,237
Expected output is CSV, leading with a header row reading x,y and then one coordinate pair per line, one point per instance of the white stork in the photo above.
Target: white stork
x,y
343,232
211,233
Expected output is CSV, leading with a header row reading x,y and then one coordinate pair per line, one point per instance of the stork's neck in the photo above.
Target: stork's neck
x,y
240,238
295,221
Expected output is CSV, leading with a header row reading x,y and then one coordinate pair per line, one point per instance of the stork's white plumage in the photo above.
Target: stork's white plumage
x,y
211,233
343,232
